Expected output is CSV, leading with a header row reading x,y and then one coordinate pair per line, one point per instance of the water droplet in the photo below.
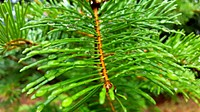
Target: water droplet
x,y
53,56
67,102
30,85
30,91
40,108
56,92
41,92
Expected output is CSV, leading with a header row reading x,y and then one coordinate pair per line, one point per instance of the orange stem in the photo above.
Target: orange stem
x,y
107,82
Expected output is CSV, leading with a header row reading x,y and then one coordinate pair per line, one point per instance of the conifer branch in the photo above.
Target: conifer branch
x,y
107,83
17,43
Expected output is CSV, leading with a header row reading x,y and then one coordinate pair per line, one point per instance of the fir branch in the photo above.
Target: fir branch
x,y
107,83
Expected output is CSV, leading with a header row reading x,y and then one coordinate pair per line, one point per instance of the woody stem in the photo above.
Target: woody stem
x,y
99,46
107,83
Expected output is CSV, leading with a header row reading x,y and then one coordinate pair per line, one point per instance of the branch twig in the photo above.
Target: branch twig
x,y
107,84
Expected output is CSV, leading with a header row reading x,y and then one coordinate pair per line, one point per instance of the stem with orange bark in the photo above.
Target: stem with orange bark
x,y
107,84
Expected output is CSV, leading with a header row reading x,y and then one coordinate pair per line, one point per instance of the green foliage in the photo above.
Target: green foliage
x,y
138,62
186,50
190,15
12,20
188,8
12,43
